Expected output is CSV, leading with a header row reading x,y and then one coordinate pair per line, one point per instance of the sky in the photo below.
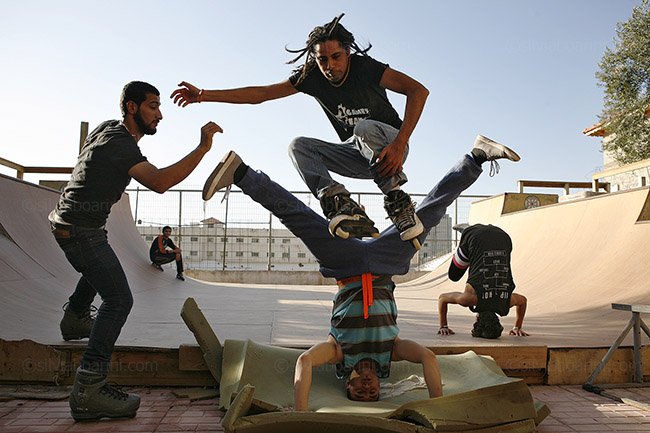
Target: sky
x,y
520,72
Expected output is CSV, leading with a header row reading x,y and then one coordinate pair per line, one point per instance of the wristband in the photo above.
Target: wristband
x,y
444,327
515,328
201,96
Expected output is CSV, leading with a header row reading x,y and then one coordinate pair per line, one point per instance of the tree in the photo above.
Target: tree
x,y
625,76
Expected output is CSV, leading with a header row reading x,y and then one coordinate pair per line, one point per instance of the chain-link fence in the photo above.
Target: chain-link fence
x,y
238,234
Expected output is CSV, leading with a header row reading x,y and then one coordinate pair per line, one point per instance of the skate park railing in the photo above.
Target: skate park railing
x,y
595,185
236,234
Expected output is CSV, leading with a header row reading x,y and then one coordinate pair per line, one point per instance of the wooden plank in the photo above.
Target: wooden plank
x,y
190,358
205,336
632,308
506,357
27,361
574,366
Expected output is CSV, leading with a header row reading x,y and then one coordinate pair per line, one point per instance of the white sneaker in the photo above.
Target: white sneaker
x,y
494,150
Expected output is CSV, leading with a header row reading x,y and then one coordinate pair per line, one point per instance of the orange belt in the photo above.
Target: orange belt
x,y
366,286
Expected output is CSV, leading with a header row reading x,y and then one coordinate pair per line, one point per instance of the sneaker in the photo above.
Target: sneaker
x,y
401,211
93,398
75,326
494,150
222,176
346,217
157,266
180,276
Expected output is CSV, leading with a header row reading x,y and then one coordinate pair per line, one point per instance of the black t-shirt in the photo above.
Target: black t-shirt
x,y
100,176
359,97
487,249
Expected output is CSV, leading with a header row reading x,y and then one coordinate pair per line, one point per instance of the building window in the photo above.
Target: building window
x,y
272,241
211,225
210,253
286,241
222,254
272,254
194,239
302,255
643,181
254,254
240,240
285,255
222,240
239,254
194,253
255,241
149,238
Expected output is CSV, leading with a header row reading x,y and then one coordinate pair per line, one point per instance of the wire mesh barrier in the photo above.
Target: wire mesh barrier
x,y
238,234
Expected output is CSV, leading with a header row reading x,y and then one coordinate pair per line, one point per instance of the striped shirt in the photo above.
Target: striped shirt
x,y
360,338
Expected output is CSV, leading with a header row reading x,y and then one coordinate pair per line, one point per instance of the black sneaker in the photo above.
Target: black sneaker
x,y
401,211
75,326
157,266
347,218
92,398
180,276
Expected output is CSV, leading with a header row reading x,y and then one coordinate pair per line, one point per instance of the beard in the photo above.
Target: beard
x,y
144,128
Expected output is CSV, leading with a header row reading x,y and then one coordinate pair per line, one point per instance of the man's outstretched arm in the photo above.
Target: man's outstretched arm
x,y
520,302
188,94
408,350
392,156
322,353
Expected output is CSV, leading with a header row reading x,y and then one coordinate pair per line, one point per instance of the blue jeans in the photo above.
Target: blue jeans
x,y
89,253
340,258
313,158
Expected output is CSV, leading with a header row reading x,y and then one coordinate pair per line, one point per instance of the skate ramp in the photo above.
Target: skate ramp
x,y
572,260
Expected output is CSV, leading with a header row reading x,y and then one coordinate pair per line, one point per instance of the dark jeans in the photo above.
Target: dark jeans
x,y
89,253
163,259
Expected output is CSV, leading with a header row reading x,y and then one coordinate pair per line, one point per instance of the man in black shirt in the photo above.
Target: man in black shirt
x,y
109,159
351,88
163,250
485,250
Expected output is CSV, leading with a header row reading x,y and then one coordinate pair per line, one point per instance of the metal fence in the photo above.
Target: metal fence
x,y
239,234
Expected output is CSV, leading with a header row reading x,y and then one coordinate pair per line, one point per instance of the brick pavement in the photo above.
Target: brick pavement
x,y
573,410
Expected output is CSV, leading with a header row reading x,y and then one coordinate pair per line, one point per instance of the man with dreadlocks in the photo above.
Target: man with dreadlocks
x,y
351,88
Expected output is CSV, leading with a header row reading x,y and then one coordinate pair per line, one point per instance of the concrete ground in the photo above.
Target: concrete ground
x,y
573,410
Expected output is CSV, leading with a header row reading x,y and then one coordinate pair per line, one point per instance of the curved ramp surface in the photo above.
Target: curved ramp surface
x,y
572,260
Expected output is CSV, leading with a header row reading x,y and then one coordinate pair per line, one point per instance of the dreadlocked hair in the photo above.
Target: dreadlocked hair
x,y
332,31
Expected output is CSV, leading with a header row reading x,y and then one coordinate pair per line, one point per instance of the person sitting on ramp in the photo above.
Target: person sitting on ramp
x,y
163,250
485,250
363,337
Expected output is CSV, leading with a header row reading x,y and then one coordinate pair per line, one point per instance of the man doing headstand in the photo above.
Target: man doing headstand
x,y
363,337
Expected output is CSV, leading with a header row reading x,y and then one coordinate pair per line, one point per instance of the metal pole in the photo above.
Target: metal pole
x,y
83,133
137,195
268,264
180,216
638,361
225,235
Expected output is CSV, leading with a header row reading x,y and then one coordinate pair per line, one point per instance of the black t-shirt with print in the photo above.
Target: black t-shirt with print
x,y
488,248
359,97
100,176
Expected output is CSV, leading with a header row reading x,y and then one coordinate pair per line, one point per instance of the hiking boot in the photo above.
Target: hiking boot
x,y
346,217
490,150
401,211
75,326
92,398
157,266
222,176
180,276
